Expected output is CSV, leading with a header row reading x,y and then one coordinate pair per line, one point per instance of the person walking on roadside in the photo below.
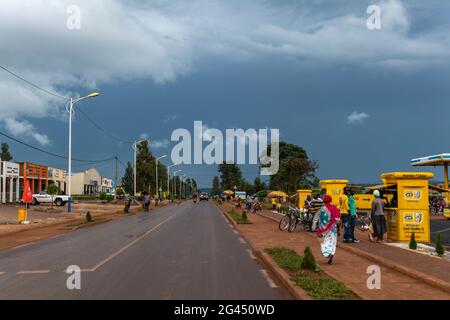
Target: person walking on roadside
x,y
344,209
377,216
316,205
351,218
329,220
146,202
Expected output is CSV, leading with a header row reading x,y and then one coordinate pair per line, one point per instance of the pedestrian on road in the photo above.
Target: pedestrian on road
x,y
378,216
329,219
146,202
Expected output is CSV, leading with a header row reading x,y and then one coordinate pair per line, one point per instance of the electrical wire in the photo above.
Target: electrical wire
x,y
101,129
34,85
51,153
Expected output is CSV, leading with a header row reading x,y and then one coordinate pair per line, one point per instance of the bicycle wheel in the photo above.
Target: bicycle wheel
x,y
293,224
284,223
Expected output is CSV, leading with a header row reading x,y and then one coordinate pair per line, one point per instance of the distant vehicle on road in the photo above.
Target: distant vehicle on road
x,y
44,197
204,196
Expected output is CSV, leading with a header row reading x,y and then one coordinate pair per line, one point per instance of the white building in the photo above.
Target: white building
x,y
90,182
9,182
58,177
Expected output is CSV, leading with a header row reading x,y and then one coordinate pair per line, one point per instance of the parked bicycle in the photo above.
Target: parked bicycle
x,y
299,216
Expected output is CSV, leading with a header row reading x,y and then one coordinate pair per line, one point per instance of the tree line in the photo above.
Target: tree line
x,y
296,171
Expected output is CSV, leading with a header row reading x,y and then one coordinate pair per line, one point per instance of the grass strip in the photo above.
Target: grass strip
x,y
317,284
237,217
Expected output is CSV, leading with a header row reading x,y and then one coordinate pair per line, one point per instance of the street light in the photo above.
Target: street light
x,y
174,182
156,164
134,170
70,110
168,177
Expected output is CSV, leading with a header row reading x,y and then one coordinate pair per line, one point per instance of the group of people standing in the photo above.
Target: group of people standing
x,y
148,200
328,219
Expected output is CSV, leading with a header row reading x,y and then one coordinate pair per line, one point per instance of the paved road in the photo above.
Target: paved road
x,y
442,226
179,252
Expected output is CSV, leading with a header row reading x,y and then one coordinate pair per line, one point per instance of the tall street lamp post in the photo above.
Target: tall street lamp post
x,y
168,178
135,160
70,110
156,164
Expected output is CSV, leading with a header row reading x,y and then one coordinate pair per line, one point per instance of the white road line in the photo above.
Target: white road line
x,y
32,272
235,232
250,253
241,240
115,254
2,273
268,279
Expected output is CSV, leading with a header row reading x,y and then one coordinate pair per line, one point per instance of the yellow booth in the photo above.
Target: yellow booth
x,y
408,210
335,188
302,195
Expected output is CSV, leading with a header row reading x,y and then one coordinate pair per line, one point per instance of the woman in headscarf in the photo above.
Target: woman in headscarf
x,y
329,219
377,216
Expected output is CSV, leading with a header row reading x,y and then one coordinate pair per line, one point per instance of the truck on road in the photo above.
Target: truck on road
x,y
44,197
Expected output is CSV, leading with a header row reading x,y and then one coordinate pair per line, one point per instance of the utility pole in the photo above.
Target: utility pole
x,y
115,177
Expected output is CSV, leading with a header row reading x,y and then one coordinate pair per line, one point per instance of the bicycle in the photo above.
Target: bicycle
x,y
285,222
299,217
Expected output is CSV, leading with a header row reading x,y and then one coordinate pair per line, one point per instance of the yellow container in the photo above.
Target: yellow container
x,y
302,195
412,212
22,215
335,188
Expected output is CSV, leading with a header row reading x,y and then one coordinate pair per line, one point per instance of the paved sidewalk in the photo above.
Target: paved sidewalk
x,y
348,268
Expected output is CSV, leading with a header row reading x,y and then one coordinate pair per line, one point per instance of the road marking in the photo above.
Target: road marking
x,y
32,272
241,240
269,279
250,253
2,273
115,254
235,232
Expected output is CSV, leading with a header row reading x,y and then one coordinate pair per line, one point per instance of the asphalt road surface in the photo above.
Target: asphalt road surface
x,y
442,226
185,251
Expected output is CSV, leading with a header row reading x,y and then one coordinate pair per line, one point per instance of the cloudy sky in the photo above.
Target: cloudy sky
x,y
360,101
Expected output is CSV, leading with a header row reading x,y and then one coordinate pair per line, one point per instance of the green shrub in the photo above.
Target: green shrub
x,y
412,242
88,216
440,249
244,215
309,262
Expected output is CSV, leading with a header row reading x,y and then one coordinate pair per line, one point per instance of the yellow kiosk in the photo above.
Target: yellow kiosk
x,y
335,188
441,160
408,210
302,195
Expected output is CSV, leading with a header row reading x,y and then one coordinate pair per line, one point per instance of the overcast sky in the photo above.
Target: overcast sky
x,y
360,101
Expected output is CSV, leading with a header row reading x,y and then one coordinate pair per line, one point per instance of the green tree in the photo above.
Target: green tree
x,y
296,169
440,249
259,184
53,190
413,242
216,186
230,176
5,155
128,179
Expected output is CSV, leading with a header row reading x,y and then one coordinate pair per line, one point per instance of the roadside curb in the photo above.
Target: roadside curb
x,y
281,275
430,280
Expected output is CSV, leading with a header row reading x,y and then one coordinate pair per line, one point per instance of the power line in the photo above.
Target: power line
x,y
51,153
33,85
101,129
